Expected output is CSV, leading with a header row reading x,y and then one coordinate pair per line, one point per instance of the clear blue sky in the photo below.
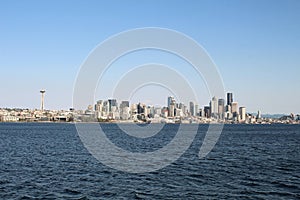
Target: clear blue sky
x,y
255,44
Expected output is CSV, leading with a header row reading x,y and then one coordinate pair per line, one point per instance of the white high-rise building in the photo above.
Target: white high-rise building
x,y
214,107
234,109
228,108
196,110
133,110
242,113
99,109
171,106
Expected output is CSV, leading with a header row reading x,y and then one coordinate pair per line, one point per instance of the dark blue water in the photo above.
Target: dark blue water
x,y
48,161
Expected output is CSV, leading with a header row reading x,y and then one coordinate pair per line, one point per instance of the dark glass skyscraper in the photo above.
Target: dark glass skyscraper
x,y
207,111
229,98
140,108
112,102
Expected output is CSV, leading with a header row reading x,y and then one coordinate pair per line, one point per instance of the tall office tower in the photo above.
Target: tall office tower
x,y
99,108
214,107
234,109
105,107
151,111
172,110
229,98
42,99
140,108
124,110
125,113
192,108
99,105
112,103
207,111
221,108
170,100
196,110
258,115
242,113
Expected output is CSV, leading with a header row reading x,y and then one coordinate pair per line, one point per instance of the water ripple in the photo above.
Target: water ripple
x,y
48,161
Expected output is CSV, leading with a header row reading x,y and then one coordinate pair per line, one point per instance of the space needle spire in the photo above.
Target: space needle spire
x,y
42,99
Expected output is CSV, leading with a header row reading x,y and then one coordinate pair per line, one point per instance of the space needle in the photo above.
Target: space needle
x,y
42,99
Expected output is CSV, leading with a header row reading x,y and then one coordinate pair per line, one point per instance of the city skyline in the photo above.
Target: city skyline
x,y
219,110
213,102
216,108
255,45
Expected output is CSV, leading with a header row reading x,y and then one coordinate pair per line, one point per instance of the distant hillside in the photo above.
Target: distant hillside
x,y
273,116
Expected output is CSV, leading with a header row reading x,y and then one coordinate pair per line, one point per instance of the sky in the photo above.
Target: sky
x,y
255,45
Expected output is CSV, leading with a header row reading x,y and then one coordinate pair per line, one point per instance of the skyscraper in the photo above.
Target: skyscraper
x,y
196,110
221,108
207,111
229,98
112,103
172,110
214,107
170,100
98,105
242,113
192,108
234,109
140,108
105,107
171,106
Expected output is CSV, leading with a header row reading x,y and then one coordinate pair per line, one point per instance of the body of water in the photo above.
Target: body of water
x,y
48,161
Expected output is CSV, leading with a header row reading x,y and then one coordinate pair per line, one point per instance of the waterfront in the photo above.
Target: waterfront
x,y
48,160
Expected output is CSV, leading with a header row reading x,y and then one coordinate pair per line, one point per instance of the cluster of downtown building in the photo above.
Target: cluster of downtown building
x,y
218,110
174,112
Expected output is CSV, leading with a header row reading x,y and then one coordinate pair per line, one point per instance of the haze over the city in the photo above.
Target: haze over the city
x,y
255,45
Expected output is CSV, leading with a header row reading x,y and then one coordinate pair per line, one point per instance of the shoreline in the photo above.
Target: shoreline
x,y
141,123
